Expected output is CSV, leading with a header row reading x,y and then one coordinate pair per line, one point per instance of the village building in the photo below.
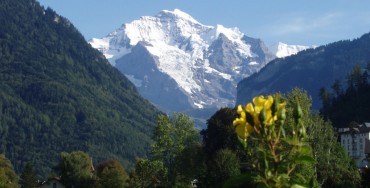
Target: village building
x,y
52,183
356,141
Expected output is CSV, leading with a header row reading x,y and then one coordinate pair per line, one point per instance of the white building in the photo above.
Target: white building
x,y
52,183
356,141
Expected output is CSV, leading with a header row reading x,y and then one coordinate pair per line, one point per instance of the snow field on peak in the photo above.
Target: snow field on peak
x,y
209,69
146,29
179,14
169,59
283,50
110,51
178,44
235,36
181,47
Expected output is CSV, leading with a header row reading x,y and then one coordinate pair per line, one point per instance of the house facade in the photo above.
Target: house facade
x,y
356,141
52,183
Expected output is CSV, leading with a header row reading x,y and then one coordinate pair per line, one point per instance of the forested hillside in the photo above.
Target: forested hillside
x,y
346,106
311,70
58,94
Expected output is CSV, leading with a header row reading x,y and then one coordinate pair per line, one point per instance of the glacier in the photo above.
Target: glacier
x,y
180,64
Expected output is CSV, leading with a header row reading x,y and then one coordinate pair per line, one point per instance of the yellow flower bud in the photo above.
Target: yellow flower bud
x,y
239,109
282,114
262,115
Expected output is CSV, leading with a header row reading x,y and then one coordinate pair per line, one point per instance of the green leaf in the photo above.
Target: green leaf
x,y
283,176
297,186
243,143
237,181
305,159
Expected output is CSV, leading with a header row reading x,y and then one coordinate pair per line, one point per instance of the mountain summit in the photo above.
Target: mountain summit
x,y
180,64
283,50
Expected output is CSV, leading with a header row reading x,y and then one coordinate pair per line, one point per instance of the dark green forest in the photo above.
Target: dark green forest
x,y
58,94
344,103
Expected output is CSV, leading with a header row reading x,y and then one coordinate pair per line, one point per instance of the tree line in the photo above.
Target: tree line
x,y
181,156
343,105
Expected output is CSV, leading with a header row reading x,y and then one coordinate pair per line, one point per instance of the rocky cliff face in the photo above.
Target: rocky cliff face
x,y
180,64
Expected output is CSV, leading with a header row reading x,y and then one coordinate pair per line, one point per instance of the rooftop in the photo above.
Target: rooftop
x,y
356,129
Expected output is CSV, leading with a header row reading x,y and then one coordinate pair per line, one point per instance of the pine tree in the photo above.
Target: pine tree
x,y
337,88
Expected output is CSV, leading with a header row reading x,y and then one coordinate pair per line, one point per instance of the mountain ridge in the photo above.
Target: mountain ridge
x,y
190,53
310,69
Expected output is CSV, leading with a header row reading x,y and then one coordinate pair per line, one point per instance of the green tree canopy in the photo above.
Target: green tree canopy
x,y
110,173
220,142
75,169
8,178
225,164
148,173
220,134
171,136
334,168
191,163
28,177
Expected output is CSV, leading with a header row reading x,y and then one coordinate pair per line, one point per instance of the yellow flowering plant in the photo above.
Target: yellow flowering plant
x,y
275,149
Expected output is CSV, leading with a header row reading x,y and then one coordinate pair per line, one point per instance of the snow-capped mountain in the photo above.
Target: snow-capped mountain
x,y
180,64
283,50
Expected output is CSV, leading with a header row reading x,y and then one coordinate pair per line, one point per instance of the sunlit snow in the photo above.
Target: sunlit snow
x,y
283,50
253,63
181,45
111,52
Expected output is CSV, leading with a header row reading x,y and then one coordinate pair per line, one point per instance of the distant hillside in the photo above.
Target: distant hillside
x,y
57,94
310,69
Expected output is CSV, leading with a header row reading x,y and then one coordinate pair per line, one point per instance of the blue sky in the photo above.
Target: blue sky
x,y
314,22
